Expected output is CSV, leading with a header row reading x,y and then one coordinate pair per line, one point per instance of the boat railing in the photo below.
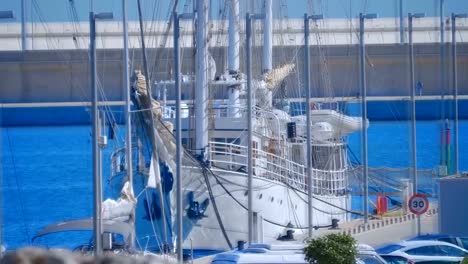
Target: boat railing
x,y
233,158
333,182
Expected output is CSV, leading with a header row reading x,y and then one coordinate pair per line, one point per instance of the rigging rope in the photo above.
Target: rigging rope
x,y
20,194
215,208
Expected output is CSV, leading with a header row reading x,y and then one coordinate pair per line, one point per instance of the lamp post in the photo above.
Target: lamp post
x,y
177,67
455,82
412,87
23,25
362,70
97,180
248,31
307,88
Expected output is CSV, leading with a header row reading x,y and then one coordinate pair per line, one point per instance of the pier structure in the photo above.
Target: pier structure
x,y
55,67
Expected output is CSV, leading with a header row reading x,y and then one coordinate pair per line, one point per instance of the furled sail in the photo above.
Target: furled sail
x,y
274,77
154,172
121,209
157,131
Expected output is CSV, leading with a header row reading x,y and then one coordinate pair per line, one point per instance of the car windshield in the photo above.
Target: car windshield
x,y
395,260
389,248
451,251
464,241
370,259
436,250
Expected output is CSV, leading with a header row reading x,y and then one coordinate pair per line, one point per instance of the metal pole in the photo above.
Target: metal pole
x,y
441,21
233,57
143,47
402,26
308,123
97,189
268,37
455,87
248,66
443,154
128,120
201,88
413,112
178,138
362,68
234,45
23,25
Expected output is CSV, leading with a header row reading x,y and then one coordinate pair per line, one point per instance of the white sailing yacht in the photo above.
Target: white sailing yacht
x,y
214,173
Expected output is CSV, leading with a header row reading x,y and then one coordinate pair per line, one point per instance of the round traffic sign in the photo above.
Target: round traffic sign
x,y
418,204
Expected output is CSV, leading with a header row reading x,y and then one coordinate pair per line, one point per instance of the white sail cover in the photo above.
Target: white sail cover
x,y
154,177
121,209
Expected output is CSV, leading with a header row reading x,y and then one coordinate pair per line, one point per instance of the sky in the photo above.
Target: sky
x,y
63,10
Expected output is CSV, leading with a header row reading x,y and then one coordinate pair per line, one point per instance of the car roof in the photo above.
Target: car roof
x,y
404,245
432,236
279,246
417,243
233,258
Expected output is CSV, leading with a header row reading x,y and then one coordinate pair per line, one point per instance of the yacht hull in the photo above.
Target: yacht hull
x,y
277,208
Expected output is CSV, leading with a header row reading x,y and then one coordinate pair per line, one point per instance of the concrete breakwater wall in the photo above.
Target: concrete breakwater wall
x,y
63,76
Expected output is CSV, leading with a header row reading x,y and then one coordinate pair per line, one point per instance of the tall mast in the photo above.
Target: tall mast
x,y
234,45
308,123
152,133
201,88
178,137
128,121
267,37
23,25
248,66
402,26
233,55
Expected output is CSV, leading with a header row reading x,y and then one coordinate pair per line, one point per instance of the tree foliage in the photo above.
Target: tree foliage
x,y
332,249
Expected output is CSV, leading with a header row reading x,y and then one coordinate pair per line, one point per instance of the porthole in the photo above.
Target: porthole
x,y
260,196
246,192
272,199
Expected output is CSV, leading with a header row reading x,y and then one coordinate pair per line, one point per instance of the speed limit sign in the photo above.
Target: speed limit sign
x,y
418,204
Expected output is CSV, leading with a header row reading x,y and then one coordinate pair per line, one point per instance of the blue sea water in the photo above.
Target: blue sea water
x,y
46,172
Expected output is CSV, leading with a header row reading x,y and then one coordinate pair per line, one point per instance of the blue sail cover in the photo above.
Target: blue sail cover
x,y
149,222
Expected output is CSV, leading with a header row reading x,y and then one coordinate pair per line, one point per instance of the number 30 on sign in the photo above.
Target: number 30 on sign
x,y
418,204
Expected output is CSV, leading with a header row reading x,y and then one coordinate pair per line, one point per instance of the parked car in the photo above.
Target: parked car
x,y
367,255
424,251
456,240
396,259
285,253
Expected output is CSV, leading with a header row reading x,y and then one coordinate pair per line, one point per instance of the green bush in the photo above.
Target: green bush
x,y
332,249
465,260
